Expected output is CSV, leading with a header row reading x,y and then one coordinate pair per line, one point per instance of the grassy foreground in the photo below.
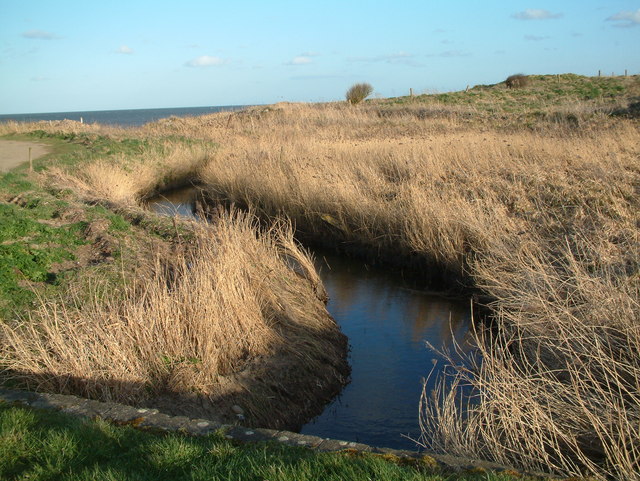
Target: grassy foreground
x,y
38,445
528,196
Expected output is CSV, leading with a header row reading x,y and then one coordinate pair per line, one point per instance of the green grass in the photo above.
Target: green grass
x,y
29,248
543,92
45,445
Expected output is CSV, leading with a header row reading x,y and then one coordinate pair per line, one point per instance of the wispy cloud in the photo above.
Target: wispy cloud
x,y
535,14
299,60
394,58
305,58
315,77
205,61
124,50
40,35
626,18
535,38
450,54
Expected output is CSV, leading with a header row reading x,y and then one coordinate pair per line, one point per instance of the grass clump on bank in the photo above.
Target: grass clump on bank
x,y
222,322
44,445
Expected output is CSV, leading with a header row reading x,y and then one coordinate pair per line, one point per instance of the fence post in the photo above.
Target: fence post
x,y
30,161
598,73
410,92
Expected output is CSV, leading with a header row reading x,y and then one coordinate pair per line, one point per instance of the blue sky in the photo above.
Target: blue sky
x,y
83,55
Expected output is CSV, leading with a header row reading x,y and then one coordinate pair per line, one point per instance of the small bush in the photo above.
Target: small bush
x,y
358,92
517,81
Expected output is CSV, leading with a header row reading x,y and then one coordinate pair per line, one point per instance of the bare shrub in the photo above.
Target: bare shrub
x,y
517,81
358,92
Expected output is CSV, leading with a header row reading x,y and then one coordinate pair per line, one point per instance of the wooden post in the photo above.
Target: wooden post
x,y
558,77
30,161
598,73
625,72
410,92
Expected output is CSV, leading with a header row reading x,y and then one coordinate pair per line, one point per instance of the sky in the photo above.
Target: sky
x,y
67,55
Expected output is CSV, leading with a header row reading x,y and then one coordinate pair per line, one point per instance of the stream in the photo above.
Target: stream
x,y
387,320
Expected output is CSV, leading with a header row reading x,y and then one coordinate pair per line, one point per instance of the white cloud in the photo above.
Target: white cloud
x,y
205,61
535,14
626,18
125,50
40,34
299,60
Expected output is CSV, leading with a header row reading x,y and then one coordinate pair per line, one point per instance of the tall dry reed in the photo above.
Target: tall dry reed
x,y
544,221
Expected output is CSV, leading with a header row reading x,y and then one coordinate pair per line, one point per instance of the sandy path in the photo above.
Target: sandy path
x,y
15,152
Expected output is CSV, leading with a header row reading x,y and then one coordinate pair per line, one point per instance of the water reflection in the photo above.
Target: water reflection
x,y
175,202
387,324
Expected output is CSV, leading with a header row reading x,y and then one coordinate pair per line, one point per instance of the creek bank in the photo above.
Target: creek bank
x,y
281,389
276,387
387,315
328,233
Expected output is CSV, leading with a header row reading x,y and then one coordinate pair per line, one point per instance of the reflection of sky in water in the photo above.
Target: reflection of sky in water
x,y
387,324
175,202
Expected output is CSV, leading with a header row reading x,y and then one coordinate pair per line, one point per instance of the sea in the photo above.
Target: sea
x,y
121,118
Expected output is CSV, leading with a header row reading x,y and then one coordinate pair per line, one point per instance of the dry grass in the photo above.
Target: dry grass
x,y
225,318
545,222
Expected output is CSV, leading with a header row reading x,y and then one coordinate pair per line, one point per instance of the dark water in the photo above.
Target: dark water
x,y
176,202
387,322
124,118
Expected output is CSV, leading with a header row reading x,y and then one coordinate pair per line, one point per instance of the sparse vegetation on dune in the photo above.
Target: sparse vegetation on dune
x,y
529,195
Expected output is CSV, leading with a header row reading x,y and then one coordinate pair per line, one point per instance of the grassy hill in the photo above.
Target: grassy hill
x,y
566,97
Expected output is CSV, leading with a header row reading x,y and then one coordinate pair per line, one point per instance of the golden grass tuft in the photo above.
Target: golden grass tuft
x,y
225,318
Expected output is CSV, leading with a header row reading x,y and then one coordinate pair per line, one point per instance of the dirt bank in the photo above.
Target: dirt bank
x,y
14,152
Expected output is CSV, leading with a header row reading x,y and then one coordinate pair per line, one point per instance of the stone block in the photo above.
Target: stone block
x,y
337,445
201,427
300,440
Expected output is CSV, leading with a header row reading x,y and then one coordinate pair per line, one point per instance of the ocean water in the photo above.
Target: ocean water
x,y
123,118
